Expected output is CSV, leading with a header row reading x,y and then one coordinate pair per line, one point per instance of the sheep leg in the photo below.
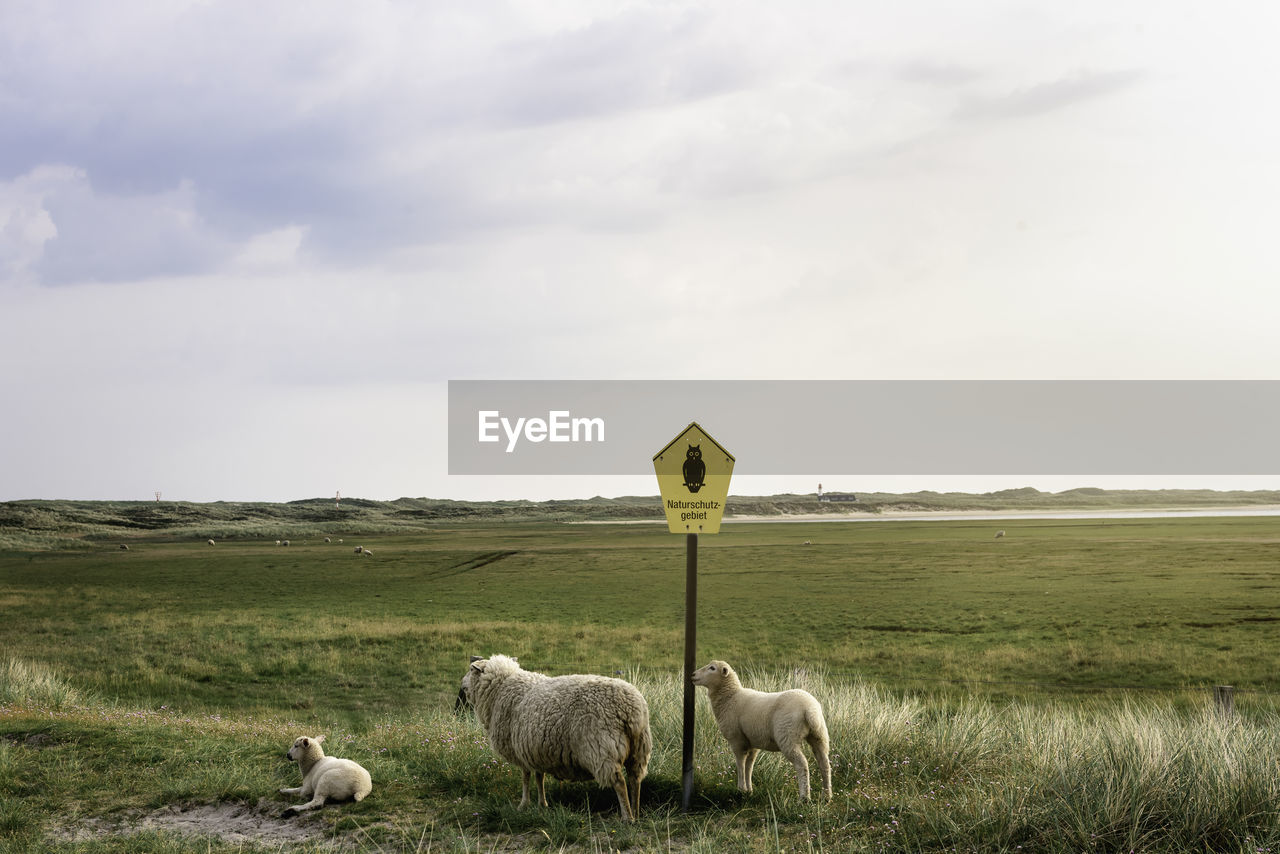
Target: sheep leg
x,y
746,765
314,803
793,753
524,789
633,787
542,788
296,791
819,748
624,800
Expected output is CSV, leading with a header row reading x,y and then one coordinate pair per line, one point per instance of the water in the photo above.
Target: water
x,y
995,516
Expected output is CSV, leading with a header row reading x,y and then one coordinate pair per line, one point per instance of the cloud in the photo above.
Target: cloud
x,y
206,125
1050,96
25,223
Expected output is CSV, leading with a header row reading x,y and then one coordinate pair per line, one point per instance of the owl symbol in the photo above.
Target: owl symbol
x,y
694,468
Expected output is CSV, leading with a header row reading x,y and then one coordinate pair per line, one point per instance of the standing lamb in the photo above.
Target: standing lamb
x,y
752,721
325,777
578,727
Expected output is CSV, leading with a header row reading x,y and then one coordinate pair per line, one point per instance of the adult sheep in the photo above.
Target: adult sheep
x,y
752,721
578,727
325,777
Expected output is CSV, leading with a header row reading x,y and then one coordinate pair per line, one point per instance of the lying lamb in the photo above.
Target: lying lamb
x,y
752,721
578,727
325,777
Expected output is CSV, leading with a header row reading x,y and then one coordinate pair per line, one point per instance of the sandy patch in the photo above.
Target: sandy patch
x,y
230,822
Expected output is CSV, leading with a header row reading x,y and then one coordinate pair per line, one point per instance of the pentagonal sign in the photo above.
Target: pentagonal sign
x,y
693,476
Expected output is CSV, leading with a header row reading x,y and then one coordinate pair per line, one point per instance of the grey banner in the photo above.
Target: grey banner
x,y
821,427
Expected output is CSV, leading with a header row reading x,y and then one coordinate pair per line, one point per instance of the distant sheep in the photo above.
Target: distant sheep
x,y
752,721
124,547
278,542
284,542
999,534
324,778
211,542
326,539
359,549
578,727
367,551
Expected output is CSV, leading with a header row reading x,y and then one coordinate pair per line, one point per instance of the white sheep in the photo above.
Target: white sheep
x,y
327,540
359,549
999,534
277,542
578,727
752,721
367,551
211,542
325,777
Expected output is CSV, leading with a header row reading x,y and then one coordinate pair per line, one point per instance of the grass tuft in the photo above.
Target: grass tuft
x,y
29,683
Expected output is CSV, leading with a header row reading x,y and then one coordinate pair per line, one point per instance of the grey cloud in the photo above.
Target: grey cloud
x,y
633,61
107,238
271,129
1050,96
931,73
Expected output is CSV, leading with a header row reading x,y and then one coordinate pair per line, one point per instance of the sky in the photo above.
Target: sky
x,y
244,246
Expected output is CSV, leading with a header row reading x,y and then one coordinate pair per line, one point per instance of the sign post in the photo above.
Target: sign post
x,y
693,472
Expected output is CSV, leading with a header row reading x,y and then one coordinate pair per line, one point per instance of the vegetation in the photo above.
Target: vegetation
x,y
1049,690
78,524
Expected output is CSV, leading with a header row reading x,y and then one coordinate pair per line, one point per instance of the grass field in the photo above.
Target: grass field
x,y
1049,689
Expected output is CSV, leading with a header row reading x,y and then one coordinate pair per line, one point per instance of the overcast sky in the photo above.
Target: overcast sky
x,y
244,245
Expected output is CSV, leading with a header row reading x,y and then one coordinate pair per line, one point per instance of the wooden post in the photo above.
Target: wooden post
x,y
1224,699
690,663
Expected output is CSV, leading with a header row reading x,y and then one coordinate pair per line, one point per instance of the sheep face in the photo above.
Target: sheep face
x,y
712,675
464,690
304,747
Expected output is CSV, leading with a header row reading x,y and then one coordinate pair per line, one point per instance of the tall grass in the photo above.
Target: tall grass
x,y
31,683
910,774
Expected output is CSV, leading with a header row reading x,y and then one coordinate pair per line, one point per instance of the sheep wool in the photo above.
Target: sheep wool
x,y
752,721
325,777
579,727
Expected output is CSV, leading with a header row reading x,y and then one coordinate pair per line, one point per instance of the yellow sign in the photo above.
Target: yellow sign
x,y
693,476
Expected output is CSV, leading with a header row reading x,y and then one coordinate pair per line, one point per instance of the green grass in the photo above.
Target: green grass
x,y
973,685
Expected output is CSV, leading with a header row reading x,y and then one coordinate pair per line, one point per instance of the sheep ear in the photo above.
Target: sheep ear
x,y
319,739
476,658
477,666
304,741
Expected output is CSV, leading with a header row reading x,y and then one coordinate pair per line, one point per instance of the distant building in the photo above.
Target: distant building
x,y
837,496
